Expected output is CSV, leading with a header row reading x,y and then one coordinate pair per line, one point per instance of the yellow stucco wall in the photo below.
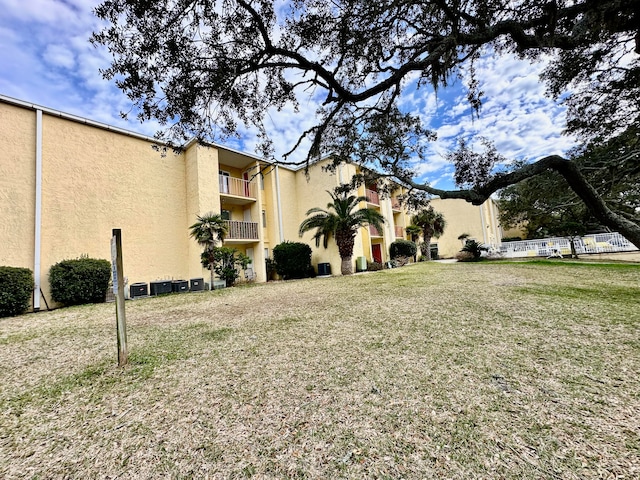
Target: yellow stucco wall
x,y
17,186
479,222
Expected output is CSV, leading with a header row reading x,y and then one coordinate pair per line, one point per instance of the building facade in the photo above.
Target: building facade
x,y
66,182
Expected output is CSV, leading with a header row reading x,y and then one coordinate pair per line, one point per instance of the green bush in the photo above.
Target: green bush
x,y
474,248
16,286
79,281
293,260
374,266
402,248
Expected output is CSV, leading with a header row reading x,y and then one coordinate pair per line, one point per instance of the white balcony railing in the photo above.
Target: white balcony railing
x,y
241,230
237,186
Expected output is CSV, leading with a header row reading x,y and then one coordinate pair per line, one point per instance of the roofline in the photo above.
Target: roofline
x,y
86,121
77,119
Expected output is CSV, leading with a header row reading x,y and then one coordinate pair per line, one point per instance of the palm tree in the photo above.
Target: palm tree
x,y
432,224
208,231
342,219
414,231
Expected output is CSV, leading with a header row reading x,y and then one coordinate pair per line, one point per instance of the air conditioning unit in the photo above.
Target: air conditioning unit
x,y
160,287
197,284
179,286
139,289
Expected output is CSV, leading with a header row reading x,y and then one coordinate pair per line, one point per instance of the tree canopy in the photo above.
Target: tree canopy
x,y
202,66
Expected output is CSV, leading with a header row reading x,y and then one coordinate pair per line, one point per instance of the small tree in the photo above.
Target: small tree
x,y
432,224
208,231
226,263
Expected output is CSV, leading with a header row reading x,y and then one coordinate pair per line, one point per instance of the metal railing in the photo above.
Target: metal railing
x,y
237,186
241,230
372,196
396,205
545,247
399,231
373,231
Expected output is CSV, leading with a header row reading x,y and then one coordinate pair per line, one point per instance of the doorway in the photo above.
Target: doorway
x,y
376,252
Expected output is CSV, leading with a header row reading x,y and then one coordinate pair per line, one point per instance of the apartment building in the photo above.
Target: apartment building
x,y
66,182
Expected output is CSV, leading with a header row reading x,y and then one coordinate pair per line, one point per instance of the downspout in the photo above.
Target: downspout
x,y
484,227
279,203
38,214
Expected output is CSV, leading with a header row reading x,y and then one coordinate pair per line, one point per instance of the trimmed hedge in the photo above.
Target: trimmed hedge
x,y
293,260
16,287
402,248
79,281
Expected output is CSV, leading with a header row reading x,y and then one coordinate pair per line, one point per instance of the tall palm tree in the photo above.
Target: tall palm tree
x,y
208,231
342,219
432,224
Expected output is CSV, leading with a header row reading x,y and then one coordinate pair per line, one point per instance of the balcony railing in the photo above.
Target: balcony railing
x,y
399,231
372,196
395,205
241,230
373,231
237,186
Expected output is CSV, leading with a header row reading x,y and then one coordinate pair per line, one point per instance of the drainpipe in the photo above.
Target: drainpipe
x,y
278,201
38,213
484,228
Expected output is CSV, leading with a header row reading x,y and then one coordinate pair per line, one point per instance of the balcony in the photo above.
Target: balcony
x,y
399,231
236,190
373,231
241,232
372,197
395,205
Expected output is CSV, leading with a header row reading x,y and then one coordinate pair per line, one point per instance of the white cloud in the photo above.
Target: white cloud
x,y
58,55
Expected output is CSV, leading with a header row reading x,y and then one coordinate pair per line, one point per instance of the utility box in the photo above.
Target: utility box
x,y
324,269
219,284
196,284
160,287
179,286
139,289
361,264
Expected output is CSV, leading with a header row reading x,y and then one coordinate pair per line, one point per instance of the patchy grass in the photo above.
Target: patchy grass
x,y
489,370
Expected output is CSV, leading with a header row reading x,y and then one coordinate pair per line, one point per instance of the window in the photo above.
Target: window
x,y
226,215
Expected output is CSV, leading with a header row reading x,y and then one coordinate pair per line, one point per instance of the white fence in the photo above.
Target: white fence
x,y
545,247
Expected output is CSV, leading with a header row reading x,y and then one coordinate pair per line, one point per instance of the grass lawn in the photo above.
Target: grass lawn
x,y
489,370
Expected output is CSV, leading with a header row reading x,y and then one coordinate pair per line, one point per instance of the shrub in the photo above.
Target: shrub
x,y
465,257
474,248
16,285
293,260
226,262
79,281
374,266
402,248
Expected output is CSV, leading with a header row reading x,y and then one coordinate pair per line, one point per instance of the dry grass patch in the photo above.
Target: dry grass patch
x,y
447,371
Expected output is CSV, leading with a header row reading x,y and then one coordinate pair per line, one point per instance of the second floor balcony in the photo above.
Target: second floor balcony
x,y
237,190
241,232
399,231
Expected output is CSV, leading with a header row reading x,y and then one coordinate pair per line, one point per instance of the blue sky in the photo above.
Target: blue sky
x,y
46,59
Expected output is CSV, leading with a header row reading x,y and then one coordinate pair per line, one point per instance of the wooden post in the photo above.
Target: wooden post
x,y
118,291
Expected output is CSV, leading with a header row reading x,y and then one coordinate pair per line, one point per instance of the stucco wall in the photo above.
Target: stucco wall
x,y
17,186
